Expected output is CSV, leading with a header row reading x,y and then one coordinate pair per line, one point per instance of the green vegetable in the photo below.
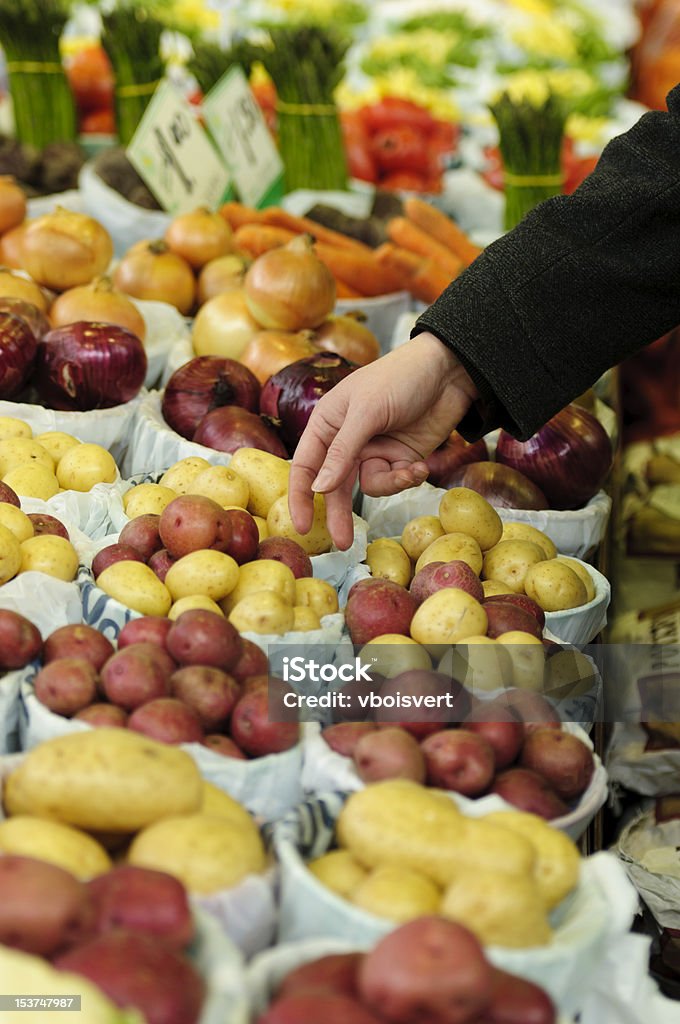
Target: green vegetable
x,y
131,36
210,62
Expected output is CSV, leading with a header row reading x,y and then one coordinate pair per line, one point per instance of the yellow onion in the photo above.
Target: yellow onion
x,y
288,288
63,249
99,302
148,270
223,274
11,247
269,351
199,236
20,288
224,326
12,204
349,337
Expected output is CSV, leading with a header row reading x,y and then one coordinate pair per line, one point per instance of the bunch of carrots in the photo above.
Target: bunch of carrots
x,y
426,250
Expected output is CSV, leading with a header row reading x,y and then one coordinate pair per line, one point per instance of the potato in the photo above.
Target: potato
x,y
522,531
136,586
569,673
180,477
555,586
452,546
319,595
262,528
219,804
579,568
263,611
446,617
462,510
10,427
59,844
104,780
396,893
305,619
34,480
479,663
500,909
147,498
206,853
43,909
50,554
57,443
492,588
279,524
16,452
185,604
509,561
223,485
211,573
10,555
266,476
338,870
16,521
388,560
558,861
85,465
262,574
419,534
527,654
391,654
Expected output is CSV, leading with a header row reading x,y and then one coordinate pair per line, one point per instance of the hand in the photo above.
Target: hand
x,y
378,425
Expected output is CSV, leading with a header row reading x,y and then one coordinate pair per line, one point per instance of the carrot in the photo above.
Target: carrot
x,y
441,227
363,273
305,225
424,278
255,239
236,214
429,282
405,233
343,291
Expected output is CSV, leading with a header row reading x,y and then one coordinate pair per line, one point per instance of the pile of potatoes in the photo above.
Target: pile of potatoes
x,y
34,543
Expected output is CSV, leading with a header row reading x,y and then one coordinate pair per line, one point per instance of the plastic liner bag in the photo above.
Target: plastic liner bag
x,y
622,992
124,221
246,914
595,914
181,353
650,854
221,965
90,511
166,328
630,765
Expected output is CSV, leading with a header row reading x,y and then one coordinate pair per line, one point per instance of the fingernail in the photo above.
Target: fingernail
x,y
322,481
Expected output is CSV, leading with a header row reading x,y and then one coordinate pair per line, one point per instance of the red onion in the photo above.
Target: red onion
x,y
502,486
454,452
231,427
34,317
568,458
17,354
206,383
290,395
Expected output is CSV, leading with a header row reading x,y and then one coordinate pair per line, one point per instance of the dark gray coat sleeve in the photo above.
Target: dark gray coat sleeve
x,y
583,282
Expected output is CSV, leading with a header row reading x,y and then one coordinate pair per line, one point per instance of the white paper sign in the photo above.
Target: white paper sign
x,y
241,134
172,153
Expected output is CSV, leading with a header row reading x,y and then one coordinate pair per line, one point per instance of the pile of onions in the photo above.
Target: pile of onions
x,y
12,204
290,395
230,427
33,316
11,247
502,486
269,351
89,366
198,236
349,337
223,274
18,348
148,270
100,302
203,384
17,287
289,288
454,452
63,249
568,458
224,326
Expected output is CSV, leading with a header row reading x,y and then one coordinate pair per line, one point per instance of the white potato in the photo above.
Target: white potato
x,y
262,574
510,560
185,604
527,654
50,554
57,443
393,653
17,452
523,531
10,555
388,560
266,476
135,585
223,484
317,594
16,521
453,547
34,480
264,612
85,465
181,475
10,426
279,523
419,533
555,586
463,510
213,574
146,498
448,616
581,571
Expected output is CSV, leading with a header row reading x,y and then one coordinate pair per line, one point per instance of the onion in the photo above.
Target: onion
x,y
500,485
290,395
224,326
568,458
11,243
206,383
18,348
148,270
199,236
89,366
63,249
97,302
269,351
221,275
12,204
288,288
349,336
454,452
230,427
14,286
34,317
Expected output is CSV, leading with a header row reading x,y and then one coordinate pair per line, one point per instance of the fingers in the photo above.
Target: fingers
x,y
307,461
379,477
339,512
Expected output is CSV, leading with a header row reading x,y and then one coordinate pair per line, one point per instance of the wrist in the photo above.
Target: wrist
x,y
445,364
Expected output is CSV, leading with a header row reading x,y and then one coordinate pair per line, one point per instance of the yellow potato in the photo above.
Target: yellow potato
x,y
262,528
493,587
219,804
16,452
450,547
33,480
581,571
57,443
279,524
388,560
85,465
10,555
50,554
510,560
558,861
305,618
569,673
399,894
185,604
211,573
207,853
10,426
146,498
338,870
136,586
522,531
180,477
501,910
419,534
266,476
16,521
262,574
263,612
319,595
555,586
448,616
391,653
462,510
223,485
480,663
59,844
527,654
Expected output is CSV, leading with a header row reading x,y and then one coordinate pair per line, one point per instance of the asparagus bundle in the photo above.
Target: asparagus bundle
x,y
44,111
131,36
530,142
209,61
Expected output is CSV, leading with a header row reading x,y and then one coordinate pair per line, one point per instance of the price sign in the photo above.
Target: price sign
x,y
242,137
172,153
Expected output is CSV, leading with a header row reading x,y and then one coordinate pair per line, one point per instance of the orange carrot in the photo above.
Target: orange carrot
x,y
255,239
441,227
405,233
305,225
236,214
424,278
343,291
429,282
364,273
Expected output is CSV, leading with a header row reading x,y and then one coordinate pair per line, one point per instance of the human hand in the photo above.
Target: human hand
x,y
377,425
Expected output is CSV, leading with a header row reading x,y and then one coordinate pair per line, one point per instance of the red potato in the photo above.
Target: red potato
x,y
518,1001
167,720
150,629
142,900
460,761
223,745
44,524
20,640
245,535
383,607
418,685
79,641
209,691
103,716
532,709
158,655
361,585
438,575
520,601
200,637
142,534
43,908
292,554
131,678
505,618
66,685
336,972
389,754
528,791
258,734
354,692
501,731
111,554
194,523
137,971
160,563
9,496
252,661
317,1005
562,759
342,737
